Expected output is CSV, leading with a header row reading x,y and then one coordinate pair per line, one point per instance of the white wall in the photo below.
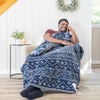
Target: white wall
x,y
35,17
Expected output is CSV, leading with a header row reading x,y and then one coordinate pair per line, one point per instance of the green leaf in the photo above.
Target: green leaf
x,y
17,35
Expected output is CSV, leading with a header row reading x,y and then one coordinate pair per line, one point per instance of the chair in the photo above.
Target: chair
x,y
26,50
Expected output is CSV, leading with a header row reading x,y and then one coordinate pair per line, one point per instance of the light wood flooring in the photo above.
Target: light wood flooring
x,y
90,89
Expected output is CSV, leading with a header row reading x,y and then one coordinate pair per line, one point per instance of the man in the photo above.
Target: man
x,y
62,26
54,64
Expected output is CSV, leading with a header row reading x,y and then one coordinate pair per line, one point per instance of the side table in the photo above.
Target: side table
x,y
10,69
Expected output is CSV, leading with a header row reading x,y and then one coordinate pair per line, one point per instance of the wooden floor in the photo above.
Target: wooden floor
x,y
90,88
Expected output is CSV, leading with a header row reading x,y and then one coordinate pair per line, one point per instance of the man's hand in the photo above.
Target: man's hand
x,y
74,37
70,28
67,43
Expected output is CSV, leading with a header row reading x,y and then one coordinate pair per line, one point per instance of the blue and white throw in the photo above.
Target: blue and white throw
x,y
53,66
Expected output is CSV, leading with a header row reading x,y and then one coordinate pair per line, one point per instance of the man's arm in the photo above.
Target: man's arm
x,y
74,37
48,38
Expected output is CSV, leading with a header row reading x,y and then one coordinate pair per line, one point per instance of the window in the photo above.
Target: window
x,y
95,11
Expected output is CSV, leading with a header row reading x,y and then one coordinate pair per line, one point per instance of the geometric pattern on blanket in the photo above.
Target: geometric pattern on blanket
x,y
53,66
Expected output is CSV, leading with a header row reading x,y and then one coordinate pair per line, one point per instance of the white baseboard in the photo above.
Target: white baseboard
x,y
4,75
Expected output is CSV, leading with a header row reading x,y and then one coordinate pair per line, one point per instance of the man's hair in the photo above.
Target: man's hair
x,y
63,19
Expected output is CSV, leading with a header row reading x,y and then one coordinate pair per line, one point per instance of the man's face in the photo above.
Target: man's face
x,y
62,26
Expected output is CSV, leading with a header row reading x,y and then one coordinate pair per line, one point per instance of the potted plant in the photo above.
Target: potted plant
x,y
18,36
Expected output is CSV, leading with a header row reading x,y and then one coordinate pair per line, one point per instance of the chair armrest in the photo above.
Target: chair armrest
x,y
29,49
25,51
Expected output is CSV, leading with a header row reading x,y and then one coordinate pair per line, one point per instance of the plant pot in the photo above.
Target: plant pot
x,y
18,41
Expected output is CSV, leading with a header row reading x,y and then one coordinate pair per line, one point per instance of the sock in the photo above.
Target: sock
x,y
35,94
25,92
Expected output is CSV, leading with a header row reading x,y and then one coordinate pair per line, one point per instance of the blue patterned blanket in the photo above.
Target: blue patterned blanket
x,y
53,66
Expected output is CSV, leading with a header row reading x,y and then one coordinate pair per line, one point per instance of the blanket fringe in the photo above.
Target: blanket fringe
x,y
76,90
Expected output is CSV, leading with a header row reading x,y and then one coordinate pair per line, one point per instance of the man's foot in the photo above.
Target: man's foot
x,y
25,92
35,94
